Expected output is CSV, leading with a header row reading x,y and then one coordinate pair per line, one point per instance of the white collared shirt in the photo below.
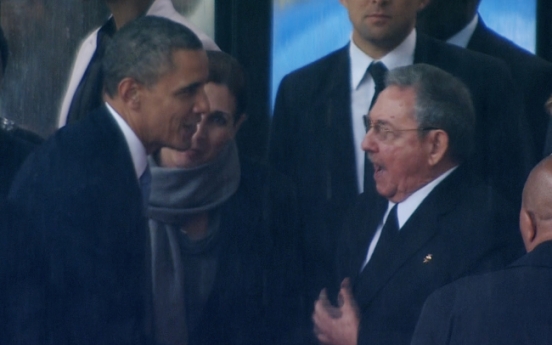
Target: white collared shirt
x,y
463,37
135,146
405,209
362,90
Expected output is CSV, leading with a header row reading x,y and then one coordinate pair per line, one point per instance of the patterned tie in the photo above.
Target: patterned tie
x,y
377,70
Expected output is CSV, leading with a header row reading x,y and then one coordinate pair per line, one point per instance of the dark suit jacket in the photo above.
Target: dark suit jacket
x,y
312,140
14,148
80,273
531,74
254,299
512,306
460,228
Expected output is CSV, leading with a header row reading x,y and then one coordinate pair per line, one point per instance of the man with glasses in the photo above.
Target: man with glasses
x,y
317,125
431,221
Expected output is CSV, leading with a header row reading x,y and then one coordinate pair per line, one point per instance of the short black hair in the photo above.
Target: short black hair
x,y
143,50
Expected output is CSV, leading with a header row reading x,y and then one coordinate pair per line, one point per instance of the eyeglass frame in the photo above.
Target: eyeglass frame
x,y
378,131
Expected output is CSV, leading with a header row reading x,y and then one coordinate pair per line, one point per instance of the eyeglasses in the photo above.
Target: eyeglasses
x,y
384,133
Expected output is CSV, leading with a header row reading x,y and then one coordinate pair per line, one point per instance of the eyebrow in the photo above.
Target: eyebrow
x,y
189,88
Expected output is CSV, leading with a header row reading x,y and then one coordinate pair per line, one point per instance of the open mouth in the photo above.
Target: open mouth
x,y
378,169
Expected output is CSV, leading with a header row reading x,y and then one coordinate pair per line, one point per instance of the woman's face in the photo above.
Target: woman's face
x,y
214,131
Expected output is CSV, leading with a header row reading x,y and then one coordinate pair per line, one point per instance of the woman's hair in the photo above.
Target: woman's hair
x,y
227,71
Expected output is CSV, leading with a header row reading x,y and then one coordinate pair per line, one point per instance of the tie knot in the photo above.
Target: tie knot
x,y
378,70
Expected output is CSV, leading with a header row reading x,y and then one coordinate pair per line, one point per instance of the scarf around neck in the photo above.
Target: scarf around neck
x,y
177,192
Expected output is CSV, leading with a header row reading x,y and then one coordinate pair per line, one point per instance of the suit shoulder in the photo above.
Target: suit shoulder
x,y
317,70
450,57
489,42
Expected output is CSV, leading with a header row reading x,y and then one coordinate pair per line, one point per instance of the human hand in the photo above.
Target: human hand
x,y
336,325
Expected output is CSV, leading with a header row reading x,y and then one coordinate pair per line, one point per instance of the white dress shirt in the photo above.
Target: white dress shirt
x,y
405,209
362,90
463,37
135,146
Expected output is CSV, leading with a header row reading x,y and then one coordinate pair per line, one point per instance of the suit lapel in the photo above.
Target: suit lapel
x,y
336,111
370,214
420,228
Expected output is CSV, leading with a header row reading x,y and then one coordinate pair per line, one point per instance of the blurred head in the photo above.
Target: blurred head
x,y
421,125
154,73
442,19
226,94
382,24
535,218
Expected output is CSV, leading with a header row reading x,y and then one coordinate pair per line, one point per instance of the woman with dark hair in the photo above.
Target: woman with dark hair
x,y
217,232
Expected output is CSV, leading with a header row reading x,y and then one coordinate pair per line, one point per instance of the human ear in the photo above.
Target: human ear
x,y
437,145
528,229
129,91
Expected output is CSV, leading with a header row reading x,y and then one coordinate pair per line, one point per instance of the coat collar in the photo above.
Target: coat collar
x,y
540,256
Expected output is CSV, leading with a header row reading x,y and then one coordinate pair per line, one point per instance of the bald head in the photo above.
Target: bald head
x,y
536,209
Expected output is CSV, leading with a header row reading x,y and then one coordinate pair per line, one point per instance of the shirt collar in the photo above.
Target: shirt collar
x,y
135,146
402,55
407,207
462,38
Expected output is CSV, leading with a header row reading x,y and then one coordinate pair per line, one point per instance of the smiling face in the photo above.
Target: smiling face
x,y
401,159
215,130
382,24
171,108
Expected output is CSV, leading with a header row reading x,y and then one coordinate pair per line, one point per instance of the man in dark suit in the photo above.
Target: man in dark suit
x,y
457,22
511,306
429,222
80,275
317,125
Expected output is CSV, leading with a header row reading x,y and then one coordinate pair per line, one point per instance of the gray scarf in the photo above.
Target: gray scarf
x,y
177,193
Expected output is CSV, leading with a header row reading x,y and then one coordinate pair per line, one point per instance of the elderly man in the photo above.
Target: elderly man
x,y
317,126
81,275
84,89
428,224
512,306
457,22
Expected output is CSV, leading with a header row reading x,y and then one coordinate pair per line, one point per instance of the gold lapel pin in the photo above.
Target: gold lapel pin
x,y
428,258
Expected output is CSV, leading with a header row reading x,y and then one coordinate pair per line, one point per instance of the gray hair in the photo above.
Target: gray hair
x,y
143,50
443,102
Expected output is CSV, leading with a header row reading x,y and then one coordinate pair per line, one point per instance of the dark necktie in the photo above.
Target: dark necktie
x,y
377,70
389,233
145,186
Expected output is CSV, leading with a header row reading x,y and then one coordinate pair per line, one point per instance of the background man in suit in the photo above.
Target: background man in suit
x,y
457,22
511,306
429,224
317,126
84,89
81,273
